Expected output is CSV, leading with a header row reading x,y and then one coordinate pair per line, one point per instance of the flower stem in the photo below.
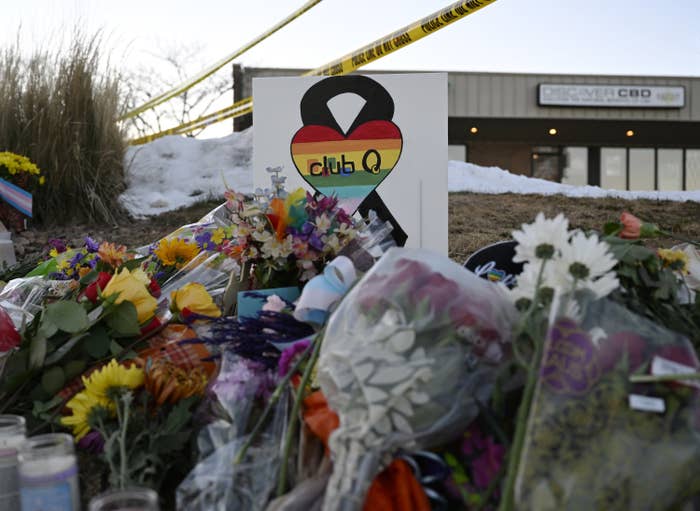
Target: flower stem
x,y
524,410
653,378
282,482
270,404
123,417
521,426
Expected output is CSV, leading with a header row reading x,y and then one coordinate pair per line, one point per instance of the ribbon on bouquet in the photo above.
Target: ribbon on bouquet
x,y
16,197
325,290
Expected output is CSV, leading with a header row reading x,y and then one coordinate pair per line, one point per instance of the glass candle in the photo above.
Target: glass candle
x,y
48,473
12,434
128,499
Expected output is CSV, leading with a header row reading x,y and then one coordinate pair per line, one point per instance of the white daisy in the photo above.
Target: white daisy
x,y
547,235
527,281
585,263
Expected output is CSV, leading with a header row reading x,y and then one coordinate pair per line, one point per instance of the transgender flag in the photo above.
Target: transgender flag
x,y
16,197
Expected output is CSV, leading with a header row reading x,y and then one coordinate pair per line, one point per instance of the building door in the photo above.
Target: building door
x,y
546,163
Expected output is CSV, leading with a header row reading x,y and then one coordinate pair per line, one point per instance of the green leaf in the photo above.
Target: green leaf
x,y
178,416
37,351
132,264
124,319
67,316
74,368
53,380
97,342
41,407
43,269
115,348
47,328
612,228
89,277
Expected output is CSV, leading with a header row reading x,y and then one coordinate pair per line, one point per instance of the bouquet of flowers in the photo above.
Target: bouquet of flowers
x,y
406,358
282,241
137,417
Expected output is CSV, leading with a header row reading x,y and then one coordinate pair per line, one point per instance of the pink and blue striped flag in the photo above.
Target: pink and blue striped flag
x,y
16,197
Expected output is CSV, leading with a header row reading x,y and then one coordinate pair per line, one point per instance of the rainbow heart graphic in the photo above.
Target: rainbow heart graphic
x,y
349,165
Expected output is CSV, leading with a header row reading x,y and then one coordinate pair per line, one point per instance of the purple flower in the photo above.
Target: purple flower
x,y
241,379
486,454
91,245
58,244
75,260
289,356
92,442
204,241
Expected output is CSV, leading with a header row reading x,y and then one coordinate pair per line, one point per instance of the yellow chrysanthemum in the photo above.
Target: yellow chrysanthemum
x,y
176,252
674,259
113,375
82,405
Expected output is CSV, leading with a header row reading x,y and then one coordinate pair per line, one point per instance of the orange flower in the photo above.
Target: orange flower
x,y
112,254
633,227
168,383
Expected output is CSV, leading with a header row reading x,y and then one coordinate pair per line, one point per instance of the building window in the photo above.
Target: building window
x,y
613,168
670,169
546,162
641,169
575,166
692,169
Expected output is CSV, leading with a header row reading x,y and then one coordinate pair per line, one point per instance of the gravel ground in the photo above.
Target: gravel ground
x,y
475,220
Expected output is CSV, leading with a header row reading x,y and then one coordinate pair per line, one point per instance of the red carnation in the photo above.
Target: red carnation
x,y
9,337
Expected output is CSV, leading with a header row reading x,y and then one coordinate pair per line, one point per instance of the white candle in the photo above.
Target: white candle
x,y
48,472
128,499
12,431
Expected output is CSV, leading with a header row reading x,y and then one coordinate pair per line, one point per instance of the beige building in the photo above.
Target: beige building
x,y
622,132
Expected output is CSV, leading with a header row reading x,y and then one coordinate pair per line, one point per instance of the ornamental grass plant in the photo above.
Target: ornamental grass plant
x,y
58,107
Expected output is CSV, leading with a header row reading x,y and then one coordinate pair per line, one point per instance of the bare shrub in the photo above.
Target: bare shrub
x,y
59,108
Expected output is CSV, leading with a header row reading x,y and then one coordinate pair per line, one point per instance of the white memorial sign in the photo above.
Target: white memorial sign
x,y
376,142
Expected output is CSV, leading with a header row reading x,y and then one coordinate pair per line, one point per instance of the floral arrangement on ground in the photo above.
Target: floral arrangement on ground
x,y
397,379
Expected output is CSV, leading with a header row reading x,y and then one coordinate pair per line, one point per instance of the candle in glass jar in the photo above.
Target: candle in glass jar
x,y
48,474
128,499
12,434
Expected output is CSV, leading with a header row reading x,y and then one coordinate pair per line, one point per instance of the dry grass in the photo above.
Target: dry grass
x,y
477,220
59,107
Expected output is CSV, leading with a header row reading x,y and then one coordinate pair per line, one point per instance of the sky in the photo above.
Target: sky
x,y
621,37
637,37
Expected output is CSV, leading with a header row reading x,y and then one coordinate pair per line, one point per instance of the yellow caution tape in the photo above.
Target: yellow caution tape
x,y
193,125
399,39
344,65
162,98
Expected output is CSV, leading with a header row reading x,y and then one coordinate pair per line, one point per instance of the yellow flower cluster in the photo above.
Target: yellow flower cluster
x,y
674,259
97,394
17,164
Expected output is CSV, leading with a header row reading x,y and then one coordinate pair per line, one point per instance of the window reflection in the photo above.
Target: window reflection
x,y
575,166
670,169
613,168
641,169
